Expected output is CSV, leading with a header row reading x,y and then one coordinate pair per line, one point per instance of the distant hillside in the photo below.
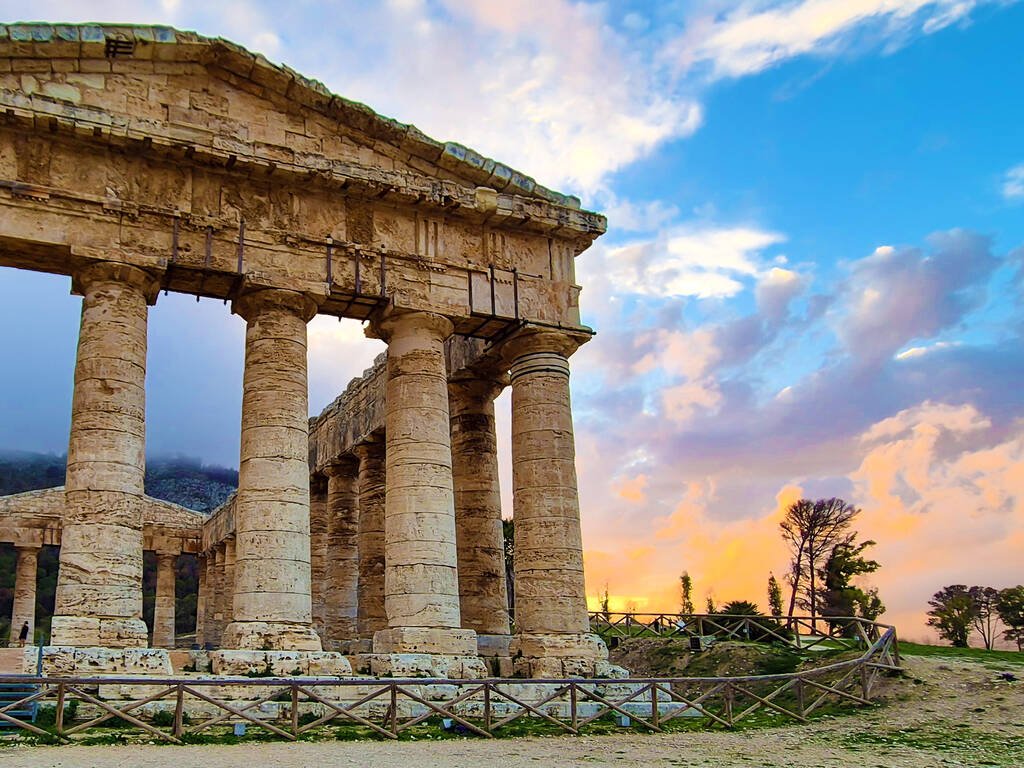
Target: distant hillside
x,y
180,480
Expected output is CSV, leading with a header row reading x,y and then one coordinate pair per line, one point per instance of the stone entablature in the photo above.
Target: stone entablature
x,y
36,518
237,171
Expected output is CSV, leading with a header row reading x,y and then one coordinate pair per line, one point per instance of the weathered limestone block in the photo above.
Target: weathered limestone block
x,y
147,661
421,576
100,581
24,608
553,629
483,596
236,663
69,661
272,605
342,572
163,603
214,588
371,613
202,601
318,554
427,665
460,642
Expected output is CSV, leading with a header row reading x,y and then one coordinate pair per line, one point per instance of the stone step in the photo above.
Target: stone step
x,y
12,661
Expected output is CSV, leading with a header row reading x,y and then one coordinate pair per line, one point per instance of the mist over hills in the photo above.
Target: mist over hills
x,y
179,479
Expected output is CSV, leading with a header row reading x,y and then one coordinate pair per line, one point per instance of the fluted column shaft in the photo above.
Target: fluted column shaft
x,y
216,602
24,607
201,599
343,546
421,570
483,596
318,554
550,596
99,587
163,604
272,602
371,614
228,583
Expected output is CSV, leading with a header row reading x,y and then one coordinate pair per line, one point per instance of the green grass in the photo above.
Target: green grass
x,y
960,742
970,654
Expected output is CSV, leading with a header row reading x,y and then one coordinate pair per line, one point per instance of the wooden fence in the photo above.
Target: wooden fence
x,y
289,708
801,632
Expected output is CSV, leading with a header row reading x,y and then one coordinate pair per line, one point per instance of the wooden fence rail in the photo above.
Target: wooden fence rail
x,y
802,632
291,707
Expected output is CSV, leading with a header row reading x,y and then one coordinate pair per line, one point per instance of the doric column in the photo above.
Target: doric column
x,y
552,628
163,604
99,586
24,608
421,569
272,605
481,548
212,635
371,614
218,594
343,548
318,556
201,597
227,583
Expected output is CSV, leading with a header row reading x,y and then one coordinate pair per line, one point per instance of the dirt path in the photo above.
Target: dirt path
x,y
959,714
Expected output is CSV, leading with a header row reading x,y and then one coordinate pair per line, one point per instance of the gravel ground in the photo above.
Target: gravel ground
x,y
958,714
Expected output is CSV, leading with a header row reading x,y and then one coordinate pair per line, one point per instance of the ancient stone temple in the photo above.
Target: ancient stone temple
x,y
138,160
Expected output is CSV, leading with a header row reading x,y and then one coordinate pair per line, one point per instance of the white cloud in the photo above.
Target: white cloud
x,y
776,289
754,37
704,261
1013,183
898,295
550,89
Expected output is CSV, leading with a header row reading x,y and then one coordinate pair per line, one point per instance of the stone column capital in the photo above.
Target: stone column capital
x,y
479,389
318,483
372,446
164,556
27,549
254,302
342,466
97,273
535,340
391,326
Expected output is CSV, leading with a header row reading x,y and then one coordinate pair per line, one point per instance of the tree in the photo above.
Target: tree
x,y
952,613
605,604
685,593
709,606
840,596
812,529
774,596
740,608
986,616
1010,606
508,533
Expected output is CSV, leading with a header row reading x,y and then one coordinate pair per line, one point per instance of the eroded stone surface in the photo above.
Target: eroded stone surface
x,y
99,587
272,568
427,665
483,597
69,661
421,564
253,663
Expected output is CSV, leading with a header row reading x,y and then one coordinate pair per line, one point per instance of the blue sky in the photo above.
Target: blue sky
x,y
811,282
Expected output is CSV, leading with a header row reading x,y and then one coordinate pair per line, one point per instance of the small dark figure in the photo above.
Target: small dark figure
x,y
23,635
